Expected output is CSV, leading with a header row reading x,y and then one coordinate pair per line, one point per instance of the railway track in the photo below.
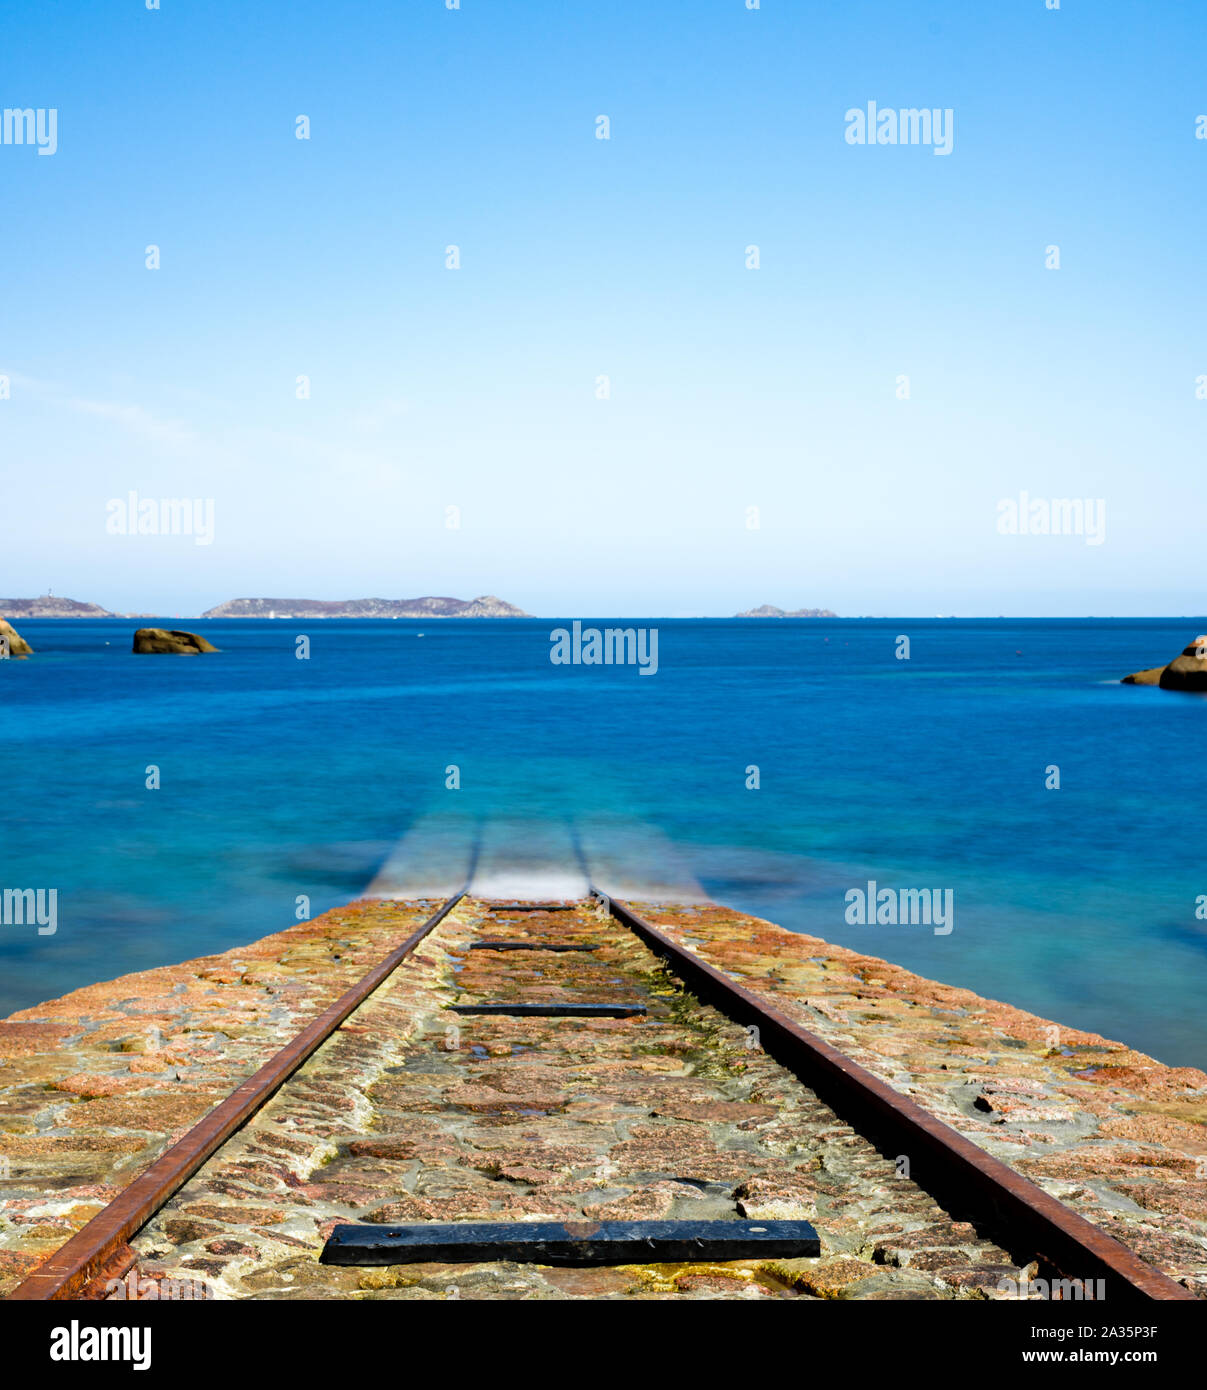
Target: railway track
x,y
581,1091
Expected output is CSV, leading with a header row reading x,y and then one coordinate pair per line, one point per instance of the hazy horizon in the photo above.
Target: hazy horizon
x,y
557,614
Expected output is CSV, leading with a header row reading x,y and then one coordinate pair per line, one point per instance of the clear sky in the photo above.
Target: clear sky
x,y
624,258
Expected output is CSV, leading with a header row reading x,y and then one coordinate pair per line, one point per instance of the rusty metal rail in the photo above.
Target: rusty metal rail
x,y
954,1170
100,1249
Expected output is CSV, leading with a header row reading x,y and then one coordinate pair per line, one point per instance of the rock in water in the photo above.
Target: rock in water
x,y
159,639
1150,677
1185,672
17,645
1188,671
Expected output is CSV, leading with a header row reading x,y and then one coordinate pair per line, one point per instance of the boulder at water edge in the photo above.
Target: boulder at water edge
x,y
10,637
160,639
1185,672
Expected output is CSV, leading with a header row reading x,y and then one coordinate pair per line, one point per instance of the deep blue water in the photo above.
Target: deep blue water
x,y
282,777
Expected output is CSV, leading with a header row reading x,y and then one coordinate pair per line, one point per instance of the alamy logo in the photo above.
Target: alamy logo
x,y
27,126
613,646
161,516
906,907
1053,516
27,907
910,126
76,1343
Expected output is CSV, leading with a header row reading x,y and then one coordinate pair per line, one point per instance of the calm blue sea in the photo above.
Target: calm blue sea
x,y
283,777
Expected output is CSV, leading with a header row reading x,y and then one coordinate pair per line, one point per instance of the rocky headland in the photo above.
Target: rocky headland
x,y
50,607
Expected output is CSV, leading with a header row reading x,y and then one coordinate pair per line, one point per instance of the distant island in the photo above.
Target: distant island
x,y
50,607
487,606
769,611
430,606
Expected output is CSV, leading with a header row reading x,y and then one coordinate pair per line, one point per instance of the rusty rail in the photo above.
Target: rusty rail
x,y
957,1172
99,1247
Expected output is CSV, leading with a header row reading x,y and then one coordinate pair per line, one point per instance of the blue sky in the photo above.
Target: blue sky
x,y
731,388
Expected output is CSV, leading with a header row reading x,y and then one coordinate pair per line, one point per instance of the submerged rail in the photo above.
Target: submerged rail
x,y
100,1249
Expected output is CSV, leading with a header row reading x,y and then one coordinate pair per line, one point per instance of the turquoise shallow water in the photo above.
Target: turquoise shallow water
x,y
283,777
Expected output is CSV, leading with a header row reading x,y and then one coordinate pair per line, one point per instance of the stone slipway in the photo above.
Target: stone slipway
x,y
96,1084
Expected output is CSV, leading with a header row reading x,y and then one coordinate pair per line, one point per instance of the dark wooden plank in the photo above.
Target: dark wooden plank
x,y
566,1010
531,946
573,1243
534,907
